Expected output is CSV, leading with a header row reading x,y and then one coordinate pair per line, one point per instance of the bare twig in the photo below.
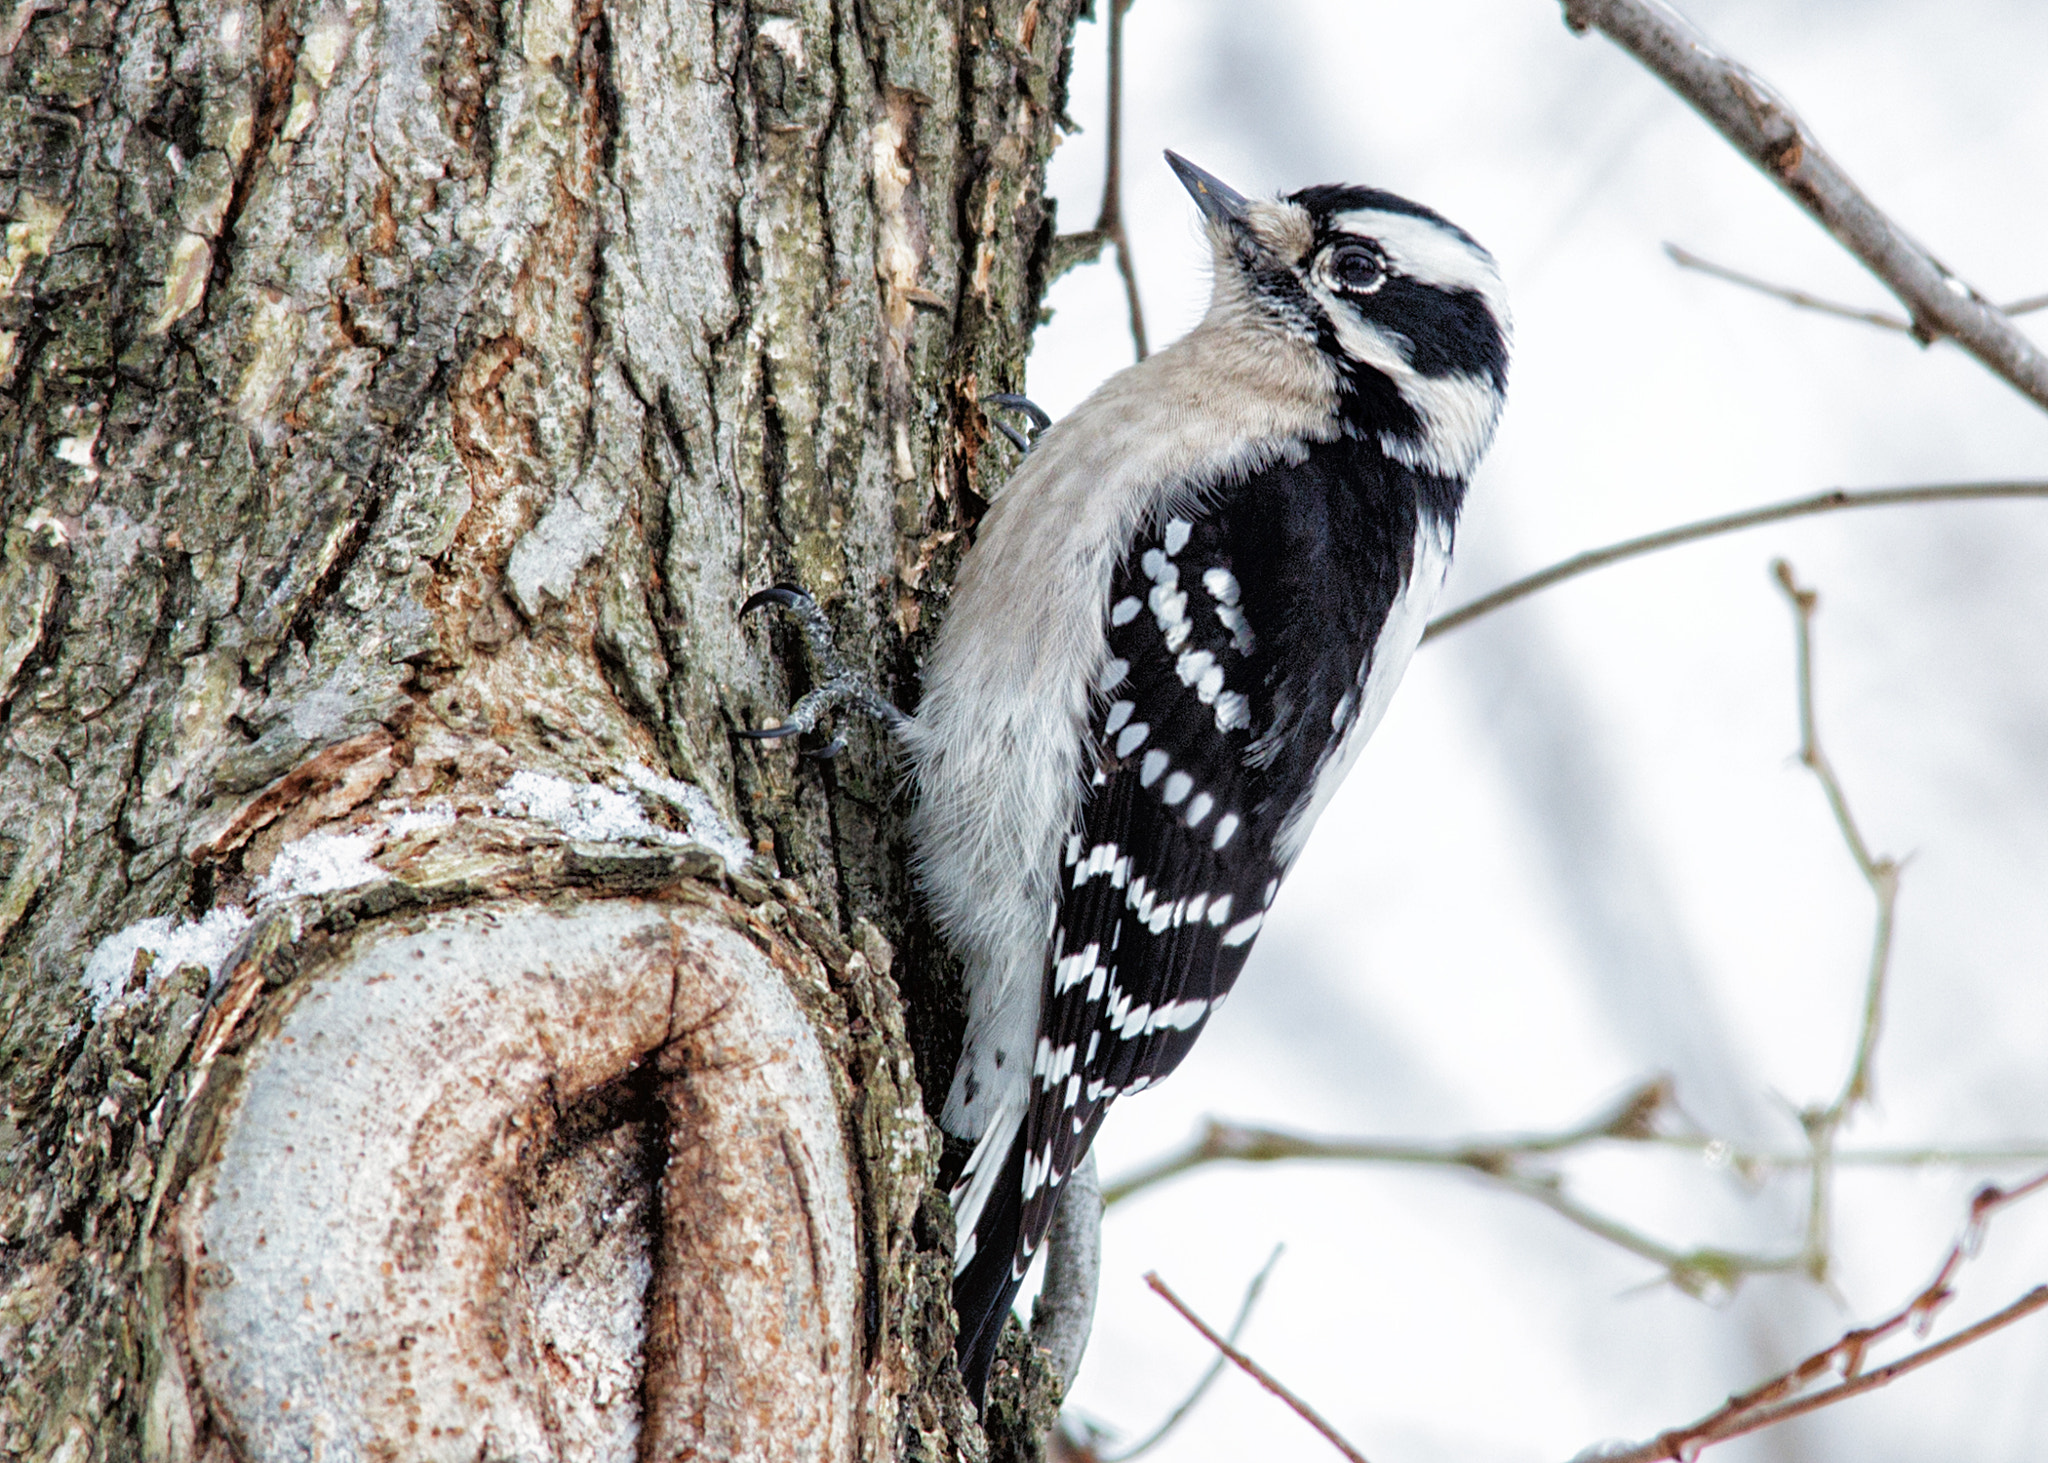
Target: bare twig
x,y
1882,875
1258,1373
1747,111
1173,1419
1650,543
1503,1163
1243,1143
1779,1398
1686,259
1069,250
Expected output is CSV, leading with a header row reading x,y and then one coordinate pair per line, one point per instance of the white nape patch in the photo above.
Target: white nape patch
x,y
172,944
1150,769
1226,829
1176,535
1118,715
1199,809
1132,738
1125,610
1232,711
1242,932
1381,673
320,863
1178,786
1113,673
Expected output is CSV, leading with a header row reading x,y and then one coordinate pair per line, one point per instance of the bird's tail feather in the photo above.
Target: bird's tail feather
x,y
987,1208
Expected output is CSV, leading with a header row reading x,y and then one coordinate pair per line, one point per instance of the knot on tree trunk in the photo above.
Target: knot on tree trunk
x,y
525,1181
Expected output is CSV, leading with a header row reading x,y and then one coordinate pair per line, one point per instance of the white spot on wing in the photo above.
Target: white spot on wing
x,y
1178,786
1176,536
1150,769
1132,738
1242,932
1118,715
1226,829
1125,610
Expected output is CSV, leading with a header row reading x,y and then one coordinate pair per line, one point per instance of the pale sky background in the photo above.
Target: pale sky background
x,y
1579,850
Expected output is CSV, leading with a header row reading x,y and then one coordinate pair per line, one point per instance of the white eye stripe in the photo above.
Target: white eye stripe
x,y
1429,253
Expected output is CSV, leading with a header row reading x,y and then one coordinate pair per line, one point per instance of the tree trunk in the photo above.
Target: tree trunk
x,y
428,1030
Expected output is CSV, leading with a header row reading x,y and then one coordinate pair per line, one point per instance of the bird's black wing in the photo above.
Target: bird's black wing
x,y
1237,634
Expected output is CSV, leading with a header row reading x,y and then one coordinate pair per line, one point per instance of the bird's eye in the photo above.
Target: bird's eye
x,y
1357,268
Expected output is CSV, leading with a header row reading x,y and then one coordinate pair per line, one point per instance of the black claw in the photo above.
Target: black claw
x,y
1040,417
827,752
1017,439
786,595
768,733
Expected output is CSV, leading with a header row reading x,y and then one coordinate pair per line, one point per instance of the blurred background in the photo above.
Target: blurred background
x,y
1580,851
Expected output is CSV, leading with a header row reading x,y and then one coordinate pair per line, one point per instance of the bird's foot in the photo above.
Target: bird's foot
x,y
839,685
1039,417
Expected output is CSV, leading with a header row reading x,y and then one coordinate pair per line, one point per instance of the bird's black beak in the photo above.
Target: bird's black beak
x,y
1219,202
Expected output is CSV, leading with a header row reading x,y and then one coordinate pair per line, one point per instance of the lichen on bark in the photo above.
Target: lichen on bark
x,y
400,395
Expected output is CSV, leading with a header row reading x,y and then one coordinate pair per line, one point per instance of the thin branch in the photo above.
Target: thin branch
x,y
1882,875
1651,543
1747,111
1686,259
1780,1398
1503,1163
1069,250
1258,1373
1110,221
1173,1419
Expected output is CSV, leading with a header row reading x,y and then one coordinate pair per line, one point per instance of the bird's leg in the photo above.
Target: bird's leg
x,y
1040,418
839,684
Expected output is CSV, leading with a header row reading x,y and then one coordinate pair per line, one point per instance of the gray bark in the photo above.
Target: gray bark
x,y
398,397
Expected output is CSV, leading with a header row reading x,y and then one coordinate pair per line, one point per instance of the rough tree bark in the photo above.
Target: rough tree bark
x,y
428,1032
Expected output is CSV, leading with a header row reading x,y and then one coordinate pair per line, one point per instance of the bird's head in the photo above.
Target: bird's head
x,y
1405,306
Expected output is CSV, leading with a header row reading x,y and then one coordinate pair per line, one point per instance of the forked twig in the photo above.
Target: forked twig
x,y
1256,1372
1751,115
1686,259
1780,1399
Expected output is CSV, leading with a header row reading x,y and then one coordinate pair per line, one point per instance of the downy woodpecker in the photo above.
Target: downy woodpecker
x,y
1182,618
